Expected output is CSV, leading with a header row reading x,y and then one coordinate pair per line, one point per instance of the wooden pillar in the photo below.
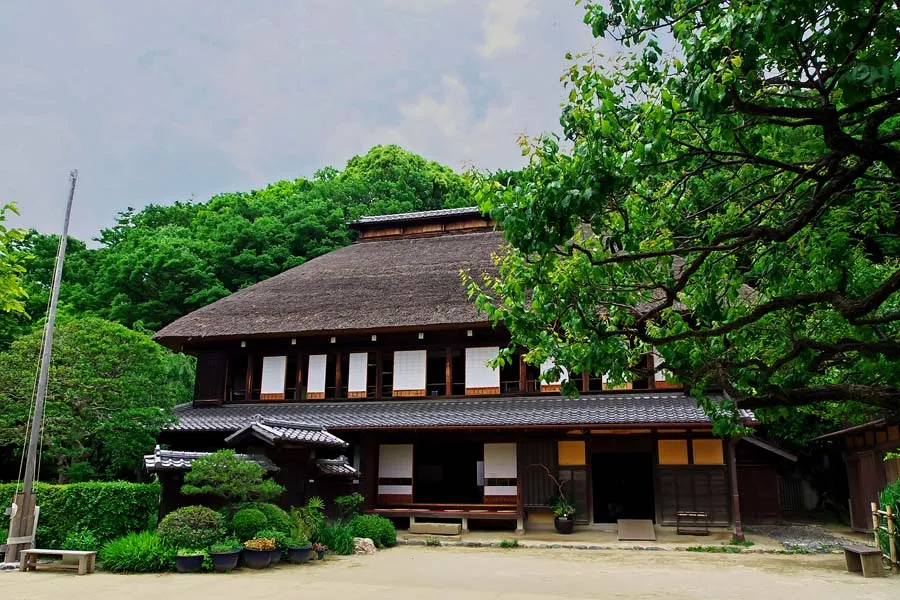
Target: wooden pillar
x,y
248,394
225,383
379,367
586,381
523,375
448,374
520,493
298,384
21,525
735,494
337,375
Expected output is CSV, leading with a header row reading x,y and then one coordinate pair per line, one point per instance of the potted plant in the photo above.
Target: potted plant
x,y
298,549
563,509
320,550
189,560
280,540
225,555
258,552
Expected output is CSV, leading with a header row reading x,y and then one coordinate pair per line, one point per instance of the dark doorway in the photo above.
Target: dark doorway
x,y
623,486
447,473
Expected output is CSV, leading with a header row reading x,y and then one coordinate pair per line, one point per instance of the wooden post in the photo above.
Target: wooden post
x,y
735,494
337,375
586,382
448,373
248,393
892,543
298,382
379,379
523,375
875,523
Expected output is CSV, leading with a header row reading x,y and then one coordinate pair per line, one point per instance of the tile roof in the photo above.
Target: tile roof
x,y
178,460
336,466
284,430
418,216
647,408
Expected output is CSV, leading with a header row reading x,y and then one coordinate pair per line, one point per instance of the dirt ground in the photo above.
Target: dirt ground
x,y
475,574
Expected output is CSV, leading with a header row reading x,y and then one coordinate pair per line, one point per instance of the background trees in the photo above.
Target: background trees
x,y
733,204
12,295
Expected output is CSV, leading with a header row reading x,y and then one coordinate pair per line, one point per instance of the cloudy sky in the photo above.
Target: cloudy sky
x,y
160,101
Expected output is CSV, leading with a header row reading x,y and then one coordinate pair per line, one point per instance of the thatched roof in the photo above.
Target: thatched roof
x,y
369,286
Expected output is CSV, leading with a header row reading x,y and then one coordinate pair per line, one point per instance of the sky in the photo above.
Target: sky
x,y
155,102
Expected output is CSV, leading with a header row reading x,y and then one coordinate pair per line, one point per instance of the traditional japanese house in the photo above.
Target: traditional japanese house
x,y
377,346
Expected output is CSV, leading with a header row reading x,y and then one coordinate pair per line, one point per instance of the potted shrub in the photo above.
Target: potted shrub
x,y
280,541
189,560
298,549
320,550
258,552
563,509
225,555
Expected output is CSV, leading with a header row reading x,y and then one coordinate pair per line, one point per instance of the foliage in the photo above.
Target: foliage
x,y
110,392
230,477
432,541
105,509
561,507
338,537
890,496
375,527
81,539
143,552
261,544
12,266
276,517
226,545
737,542
279,537
191,527
246,522
350,505
731,203
297,542
191,552
309,518
509,543
716,549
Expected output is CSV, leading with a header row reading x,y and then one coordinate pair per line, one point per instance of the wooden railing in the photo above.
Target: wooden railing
x,y
889,529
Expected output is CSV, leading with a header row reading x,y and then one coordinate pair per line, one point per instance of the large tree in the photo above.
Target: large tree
x,y
111,390
12,266
728,194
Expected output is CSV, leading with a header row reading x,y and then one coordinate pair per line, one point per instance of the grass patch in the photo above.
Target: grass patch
x,y
509,543
794,551
432,541
715,549
736,542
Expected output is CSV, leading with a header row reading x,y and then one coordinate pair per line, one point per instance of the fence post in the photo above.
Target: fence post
x,y
892,543
875,524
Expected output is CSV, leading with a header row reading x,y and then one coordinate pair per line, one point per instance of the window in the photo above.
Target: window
x,y
480,378
436,373
409,373
708,452
673,452
274,369
358,374
509,376
315,379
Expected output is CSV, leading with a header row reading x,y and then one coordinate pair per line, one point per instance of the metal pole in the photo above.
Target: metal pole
x,y
26,498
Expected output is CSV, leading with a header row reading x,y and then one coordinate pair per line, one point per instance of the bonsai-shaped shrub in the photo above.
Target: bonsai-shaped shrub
x,y
309,518
377,528
81,539
226,545
276,517
191,527
247,522
338,536
350,505
279,537
143,552
260,544
231,478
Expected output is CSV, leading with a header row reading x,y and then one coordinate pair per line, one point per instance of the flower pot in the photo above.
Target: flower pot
x,y
225,561
299,555
276,557
257,559
564,524
188,564
320,554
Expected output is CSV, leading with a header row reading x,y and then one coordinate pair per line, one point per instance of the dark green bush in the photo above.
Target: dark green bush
x,y
276,517
376,528
279,537
246,522
338,536
191,527
143,552
108,509
890,496
350,505
81,539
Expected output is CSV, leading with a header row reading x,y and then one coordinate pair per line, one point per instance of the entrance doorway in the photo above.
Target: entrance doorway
x,y
447,473
623,486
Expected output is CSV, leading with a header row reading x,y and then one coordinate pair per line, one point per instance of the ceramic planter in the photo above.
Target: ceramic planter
x,y
225,561
299,555
257,559
564,524
320,554
276,557
188,564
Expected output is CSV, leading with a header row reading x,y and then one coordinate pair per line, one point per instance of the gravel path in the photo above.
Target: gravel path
x,y
801,536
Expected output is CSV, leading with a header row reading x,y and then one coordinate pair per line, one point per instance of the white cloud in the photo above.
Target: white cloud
x,y
500,25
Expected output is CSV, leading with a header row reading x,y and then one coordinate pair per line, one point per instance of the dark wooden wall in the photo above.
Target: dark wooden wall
x,y
693,488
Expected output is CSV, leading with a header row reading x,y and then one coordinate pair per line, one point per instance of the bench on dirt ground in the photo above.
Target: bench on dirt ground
x,y
28,560
864,559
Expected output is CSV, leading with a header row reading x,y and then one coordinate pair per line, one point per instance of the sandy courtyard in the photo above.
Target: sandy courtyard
x,y
476,574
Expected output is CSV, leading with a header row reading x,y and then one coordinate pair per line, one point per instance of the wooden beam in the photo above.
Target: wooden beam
x,y
448,373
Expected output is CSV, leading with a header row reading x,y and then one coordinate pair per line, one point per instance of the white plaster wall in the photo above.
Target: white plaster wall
x,y
273,370
478,374
358,370
395,461
315,378
409,369
500,462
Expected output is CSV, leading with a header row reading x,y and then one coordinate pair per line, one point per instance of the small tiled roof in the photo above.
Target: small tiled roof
x,y
423,215
283,430
179,460
649,408
336,466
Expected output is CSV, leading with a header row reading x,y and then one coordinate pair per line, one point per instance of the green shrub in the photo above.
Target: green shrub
x,y
307,519
890,496
276,517
377,528
509,543
143,552
226,545
231,478
81,539
338,536
350,505
272,534
109,509
191,527
300,541
246,522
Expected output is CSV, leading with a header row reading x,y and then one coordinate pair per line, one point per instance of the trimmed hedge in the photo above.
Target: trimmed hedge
x,y
375,527
106,509
191,527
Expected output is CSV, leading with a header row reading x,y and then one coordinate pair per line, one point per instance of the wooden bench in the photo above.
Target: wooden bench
x,y
695,519
28,560
864,559
455,512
